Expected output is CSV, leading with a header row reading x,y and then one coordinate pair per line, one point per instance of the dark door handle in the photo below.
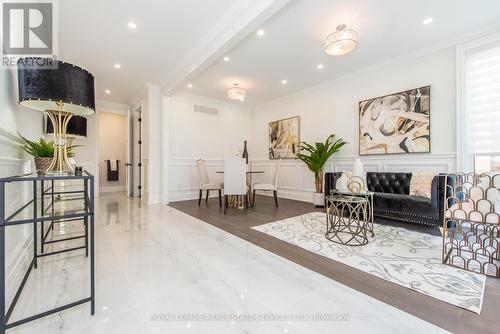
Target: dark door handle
x,y
128,164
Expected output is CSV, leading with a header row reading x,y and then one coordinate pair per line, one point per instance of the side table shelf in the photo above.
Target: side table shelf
x,y
36,212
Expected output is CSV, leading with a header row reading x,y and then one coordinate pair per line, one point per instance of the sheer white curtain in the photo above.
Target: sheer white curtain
x,y
480,142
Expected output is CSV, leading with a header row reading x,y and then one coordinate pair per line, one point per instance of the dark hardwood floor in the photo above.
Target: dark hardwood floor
x,y
444,315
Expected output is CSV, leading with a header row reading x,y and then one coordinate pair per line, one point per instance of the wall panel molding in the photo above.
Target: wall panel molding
x,y
296,181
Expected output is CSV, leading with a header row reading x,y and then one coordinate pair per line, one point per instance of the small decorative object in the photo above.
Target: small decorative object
x,y
245,152
61,91
357,169
316,158
341,42
342,182
396,123
356,185
78,170
42,152
284,138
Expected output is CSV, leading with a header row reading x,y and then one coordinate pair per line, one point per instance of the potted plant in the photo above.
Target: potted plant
x,y
315,158
42,151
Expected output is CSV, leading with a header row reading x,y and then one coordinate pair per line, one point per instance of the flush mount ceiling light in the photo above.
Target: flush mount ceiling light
x,y
428,20
132,25
341,42
261,32
320,66
189,85
107,91
117,66
226,58
236,92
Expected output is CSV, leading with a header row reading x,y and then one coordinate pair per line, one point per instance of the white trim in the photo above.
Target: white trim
x,y
296,181
110,189
227,33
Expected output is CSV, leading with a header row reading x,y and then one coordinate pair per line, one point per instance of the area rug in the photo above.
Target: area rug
x,y
407,258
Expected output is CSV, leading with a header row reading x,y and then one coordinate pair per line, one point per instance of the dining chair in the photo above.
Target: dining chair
x,y
269,186
205,183
235,180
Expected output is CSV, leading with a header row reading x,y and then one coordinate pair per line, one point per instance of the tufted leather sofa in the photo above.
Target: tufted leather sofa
x,y
392,200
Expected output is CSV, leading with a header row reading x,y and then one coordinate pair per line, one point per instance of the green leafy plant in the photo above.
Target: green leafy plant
x,y
318,155
42,148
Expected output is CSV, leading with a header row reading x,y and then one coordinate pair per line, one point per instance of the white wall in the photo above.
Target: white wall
x,y
18,239
202,136
333,108
112,146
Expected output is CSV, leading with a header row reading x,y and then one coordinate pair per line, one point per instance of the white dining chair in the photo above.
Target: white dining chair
x,y
269,186
235,180
205,183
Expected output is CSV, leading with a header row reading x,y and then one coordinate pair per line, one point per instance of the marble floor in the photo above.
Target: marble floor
x,y
159,270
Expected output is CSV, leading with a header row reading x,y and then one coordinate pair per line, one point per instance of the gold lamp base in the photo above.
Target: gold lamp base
x,y
60,119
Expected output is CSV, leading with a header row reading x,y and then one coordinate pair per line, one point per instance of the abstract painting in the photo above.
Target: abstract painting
x,y
396,123
284,138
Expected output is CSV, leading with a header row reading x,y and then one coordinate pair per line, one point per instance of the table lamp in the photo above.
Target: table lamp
x,y
61,91
77,128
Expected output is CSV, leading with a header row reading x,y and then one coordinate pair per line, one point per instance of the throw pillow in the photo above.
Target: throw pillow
x,y
421,184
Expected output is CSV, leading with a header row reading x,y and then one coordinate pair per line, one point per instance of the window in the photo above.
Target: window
x,y
479,132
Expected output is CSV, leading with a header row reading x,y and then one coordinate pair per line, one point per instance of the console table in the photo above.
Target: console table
x,y
37,211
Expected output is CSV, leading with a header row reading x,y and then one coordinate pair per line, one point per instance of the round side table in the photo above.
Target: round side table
x,y
345,222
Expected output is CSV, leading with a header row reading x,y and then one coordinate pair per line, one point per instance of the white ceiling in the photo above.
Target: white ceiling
x,y
292,45
94,34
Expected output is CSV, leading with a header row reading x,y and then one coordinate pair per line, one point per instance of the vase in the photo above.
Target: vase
x,y
245,152
318,199
42,164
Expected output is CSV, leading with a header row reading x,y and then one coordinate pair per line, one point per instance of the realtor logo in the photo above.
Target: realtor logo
x,y
27,28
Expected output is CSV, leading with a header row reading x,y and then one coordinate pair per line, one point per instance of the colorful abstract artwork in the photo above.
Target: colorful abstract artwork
x,y
396,123
284,138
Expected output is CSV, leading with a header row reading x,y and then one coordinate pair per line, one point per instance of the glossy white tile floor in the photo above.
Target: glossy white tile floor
x,y
153,261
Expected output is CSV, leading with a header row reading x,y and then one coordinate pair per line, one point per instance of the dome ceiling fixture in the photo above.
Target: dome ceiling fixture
x,y
236,92
341,42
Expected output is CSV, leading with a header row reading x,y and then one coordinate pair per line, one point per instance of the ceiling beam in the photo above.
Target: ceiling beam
x,y
237,23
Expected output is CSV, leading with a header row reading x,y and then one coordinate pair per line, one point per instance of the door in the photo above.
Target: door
x,y
137,152
129,170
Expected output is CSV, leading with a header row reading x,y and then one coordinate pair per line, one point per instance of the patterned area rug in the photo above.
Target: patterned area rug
x,y
410,259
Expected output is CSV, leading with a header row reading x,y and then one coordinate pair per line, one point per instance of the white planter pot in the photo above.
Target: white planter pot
x,y
319,199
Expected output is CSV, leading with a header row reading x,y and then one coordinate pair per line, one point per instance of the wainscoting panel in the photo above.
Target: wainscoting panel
x,y
18,239
296,181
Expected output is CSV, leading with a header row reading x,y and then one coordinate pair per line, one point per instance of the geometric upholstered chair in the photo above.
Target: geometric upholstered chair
x,y
269,186
471,237
205,182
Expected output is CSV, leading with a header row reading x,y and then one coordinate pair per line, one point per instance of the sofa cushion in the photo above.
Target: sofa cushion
x,y
402,205
392,183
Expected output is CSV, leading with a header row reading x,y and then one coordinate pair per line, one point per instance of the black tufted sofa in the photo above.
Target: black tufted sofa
x,y
392,200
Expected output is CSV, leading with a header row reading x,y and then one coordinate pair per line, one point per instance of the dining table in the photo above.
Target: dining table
x,y
236,201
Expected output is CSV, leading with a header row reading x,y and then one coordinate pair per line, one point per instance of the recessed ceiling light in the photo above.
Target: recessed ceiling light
x,y
261,32
107,91
428,20
226,58
189,86
284,82
320,66
117,66
132,25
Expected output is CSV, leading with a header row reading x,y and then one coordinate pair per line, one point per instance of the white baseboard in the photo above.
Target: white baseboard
x,y
112,189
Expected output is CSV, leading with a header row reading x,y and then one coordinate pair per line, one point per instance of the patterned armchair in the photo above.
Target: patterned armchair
x,y
471,236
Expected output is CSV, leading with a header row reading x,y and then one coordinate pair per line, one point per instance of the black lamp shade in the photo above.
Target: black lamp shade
x,y
77,127
41,87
